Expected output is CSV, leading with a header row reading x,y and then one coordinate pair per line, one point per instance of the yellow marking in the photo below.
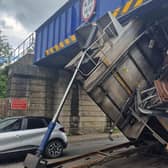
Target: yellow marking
x,y
47,53
56,48
120,80
51,50
127,6
61,44
67,41
125,70
73,38
116,12
138,3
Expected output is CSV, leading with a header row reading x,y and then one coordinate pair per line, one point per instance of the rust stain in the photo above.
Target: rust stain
x,y
162,90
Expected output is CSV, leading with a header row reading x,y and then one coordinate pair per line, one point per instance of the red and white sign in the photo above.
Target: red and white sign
x,y
88,9
19,104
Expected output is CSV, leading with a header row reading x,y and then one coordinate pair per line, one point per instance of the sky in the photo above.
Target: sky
x,y
18,18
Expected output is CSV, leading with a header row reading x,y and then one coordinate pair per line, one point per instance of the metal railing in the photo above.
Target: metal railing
x,y
27,46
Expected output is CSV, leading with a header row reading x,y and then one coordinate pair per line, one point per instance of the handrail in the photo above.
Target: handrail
x,y
25,47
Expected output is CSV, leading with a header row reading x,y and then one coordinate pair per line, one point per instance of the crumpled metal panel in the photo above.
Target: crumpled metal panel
x,y
162,90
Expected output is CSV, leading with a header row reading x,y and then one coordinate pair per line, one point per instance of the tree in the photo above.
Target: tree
x,y
3,83
5,53
5,50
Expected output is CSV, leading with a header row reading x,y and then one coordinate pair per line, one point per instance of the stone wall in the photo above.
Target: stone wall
x,y
33,83
91,116
44,89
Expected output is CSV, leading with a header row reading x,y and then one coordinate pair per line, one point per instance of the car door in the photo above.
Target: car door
x,y
33,132
10,131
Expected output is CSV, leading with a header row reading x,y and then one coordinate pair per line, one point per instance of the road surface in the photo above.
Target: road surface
x,y
75,148
136,161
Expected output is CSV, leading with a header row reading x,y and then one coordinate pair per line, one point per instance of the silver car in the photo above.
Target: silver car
x,y
24,134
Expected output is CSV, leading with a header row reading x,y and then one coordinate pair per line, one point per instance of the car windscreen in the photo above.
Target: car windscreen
x,y
10,125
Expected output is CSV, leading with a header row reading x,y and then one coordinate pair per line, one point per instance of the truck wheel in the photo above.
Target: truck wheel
x,y
54,149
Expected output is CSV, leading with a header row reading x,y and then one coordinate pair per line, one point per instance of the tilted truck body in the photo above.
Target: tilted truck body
x,y
121,60
123,66
126,48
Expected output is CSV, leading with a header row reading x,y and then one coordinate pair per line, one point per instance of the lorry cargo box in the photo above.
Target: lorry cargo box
x,y
120,61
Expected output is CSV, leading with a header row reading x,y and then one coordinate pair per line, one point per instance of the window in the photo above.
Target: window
x,y
8,125
35,123
47,121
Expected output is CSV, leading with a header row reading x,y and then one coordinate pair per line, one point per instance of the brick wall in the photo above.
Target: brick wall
x,y
44,89
3,107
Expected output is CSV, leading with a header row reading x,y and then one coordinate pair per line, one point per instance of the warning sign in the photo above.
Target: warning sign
x,y
19,104
88,9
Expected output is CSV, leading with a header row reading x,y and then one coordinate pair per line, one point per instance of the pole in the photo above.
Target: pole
x,y
54,120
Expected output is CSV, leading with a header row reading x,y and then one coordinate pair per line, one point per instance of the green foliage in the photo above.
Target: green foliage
x,y
5,53
3,83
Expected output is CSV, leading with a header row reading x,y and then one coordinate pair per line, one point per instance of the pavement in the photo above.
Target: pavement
x,y
92,136
78,145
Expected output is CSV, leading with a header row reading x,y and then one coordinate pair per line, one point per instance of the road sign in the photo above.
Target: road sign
x,y
88,9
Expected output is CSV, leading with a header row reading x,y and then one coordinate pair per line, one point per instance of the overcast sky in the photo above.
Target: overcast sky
x,y
18,18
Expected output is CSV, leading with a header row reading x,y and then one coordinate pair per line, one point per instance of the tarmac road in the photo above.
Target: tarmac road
x,y
79,146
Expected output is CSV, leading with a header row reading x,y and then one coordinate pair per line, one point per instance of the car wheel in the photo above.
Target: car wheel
x,y
54,149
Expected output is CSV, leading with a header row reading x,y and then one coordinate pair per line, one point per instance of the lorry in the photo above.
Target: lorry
x,y
121,60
